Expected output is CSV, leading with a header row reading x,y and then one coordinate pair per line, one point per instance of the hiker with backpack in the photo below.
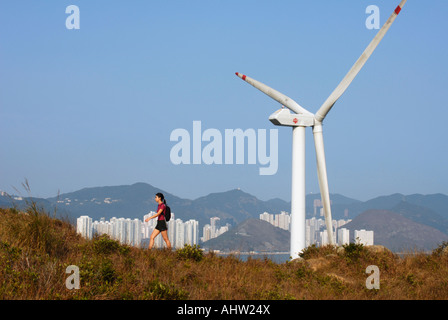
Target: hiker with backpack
x,y
163,215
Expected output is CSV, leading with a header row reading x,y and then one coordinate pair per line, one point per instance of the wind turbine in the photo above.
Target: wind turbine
x,y
299,120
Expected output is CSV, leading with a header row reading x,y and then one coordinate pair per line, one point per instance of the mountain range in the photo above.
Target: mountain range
x,y
236,206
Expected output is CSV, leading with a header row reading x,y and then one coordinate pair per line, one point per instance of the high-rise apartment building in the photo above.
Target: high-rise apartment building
x,y
282,220
84,226
206,233
364,237
192,232
343,236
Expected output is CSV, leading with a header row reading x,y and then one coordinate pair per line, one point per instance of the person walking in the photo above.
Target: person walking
x,y
161,226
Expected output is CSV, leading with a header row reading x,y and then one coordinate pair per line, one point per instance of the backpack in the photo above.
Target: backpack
x,y
167,213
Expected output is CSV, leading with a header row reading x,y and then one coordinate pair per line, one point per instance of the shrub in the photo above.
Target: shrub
x,y
161,291
314,252
189,252
309,252
105,245
353,251
107,272
440,249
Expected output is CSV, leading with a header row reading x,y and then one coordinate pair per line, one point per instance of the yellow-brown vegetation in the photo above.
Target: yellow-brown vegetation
x,y
36,249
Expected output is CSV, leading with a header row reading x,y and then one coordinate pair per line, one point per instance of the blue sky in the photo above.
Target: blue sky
x,y
96,106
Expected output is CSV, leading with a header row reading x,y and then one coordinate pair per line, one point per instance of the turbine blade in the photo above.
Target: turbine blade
x,y
274,94
343,85
323,180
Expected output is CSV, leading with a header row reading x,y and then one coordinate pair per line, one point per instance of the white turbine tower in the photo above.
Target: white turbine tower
x,y
299,120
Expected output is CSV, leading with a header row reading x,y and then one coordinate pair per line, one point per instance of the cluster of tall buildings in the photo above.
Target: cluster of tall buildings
x,y
213,229
316,230
135,232
282,220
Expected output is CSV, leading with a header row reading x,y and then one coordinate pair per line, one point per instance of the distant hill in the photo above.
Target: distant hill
x,y
129,201
136,200
421,215
232,206
339,204
438,203
397,232
22,203
251,235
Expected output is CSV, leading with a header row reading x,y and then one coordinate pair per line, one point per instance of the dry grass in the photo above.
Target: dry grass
x,y
36,249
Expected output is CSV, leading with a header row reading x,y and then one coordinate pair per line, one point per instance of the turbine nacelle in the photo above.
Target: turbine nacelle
x,y
283,117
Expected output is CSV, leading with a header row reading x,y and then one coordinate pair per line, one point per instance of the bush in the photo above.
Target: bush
x,y
161,291
189,252
440,249
309,252
107,272
105,245
315,252
353,251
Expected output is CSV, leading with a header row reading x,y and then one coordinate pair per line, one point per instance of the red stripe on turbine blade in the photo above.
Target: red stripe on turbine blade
x,y
244,77
397,10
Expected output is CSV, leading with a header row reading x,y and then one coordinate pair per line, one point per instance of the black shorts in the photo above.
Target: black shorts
x,y
161,225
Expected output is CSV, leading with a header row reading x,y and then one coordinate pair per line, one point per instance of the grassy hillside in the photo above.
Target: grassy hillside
x,y
36,249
